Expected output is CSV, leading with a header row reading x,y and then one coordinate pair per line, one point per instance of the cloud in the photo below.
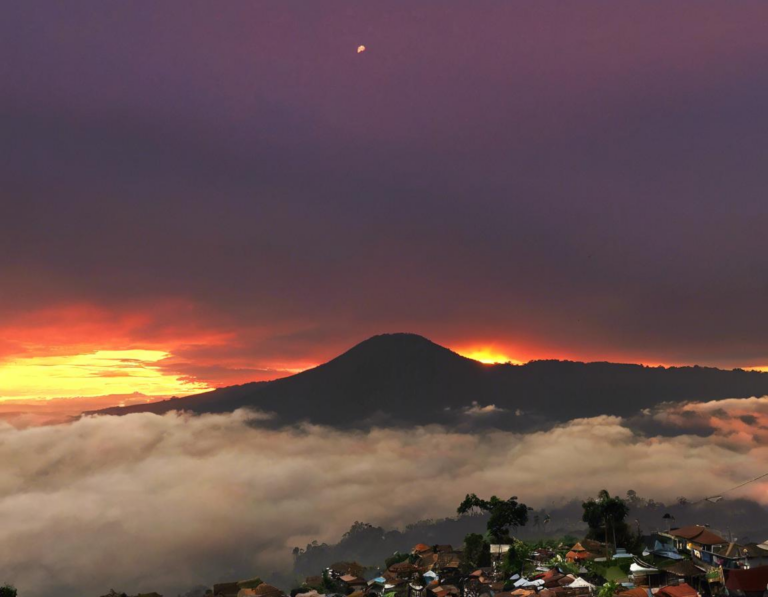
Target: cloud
x,y
477,410
23,413
145,502
735,422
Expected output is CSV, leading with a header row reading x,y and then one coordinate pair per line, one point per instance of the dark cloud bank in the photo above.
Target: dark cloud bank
x,y
169,502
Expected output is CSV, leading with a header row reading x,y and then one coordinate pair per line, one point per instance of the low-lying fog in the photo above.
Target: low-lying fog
x,y
146,502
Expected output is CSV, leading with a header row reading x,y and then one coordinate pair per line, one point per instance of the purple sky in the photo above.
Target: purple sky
x,y
583,180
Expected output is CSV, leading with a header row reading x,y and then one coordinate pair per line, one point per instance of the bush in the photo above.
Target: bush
x,y
396,558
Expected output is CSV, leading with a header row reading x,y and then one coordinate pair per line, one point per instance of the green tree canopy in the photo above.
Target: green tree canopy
x,y
504,514
606,519
608,589
396,558
517,556
477,552
8,591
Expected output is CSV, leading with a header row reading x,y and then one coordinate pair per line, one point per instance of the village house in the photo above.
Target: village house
x,y
645,575
402,570
483,576
445,591
235,589
542,555
567,587
346,569
637,592
698,541
734,555
735,570
352,583
661,546
420,549
444,562
681,590
683,571
517,593
263,590
312,593
377,586
578,553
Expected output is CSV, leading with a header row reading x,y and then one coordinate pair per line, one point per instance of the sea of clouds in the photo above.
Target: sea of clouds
x,y
146,502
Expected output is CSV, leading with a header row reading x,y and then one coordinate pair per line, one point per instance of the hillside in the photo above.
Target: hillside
x,y
407,379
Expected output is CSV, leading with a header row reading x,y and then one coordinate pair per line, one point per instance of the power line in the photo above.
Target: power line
x,y
717,497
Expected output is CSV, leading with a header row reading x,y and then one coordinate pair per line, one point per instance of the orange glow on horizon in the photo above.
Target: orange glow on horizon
x,y
174,348
92,374
488,354
495,353
83,351
89,352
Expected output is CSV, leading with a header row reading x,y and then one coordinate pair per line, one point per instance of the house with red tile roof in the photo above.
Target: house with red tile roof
x,y
681,590
697,540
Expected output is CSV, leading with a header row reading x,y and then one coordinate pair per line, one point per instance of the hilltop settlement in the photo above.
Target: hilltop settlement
x,y
612,559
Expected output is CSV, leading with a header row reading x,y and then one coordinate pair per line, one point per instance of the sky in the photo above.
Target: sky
x,y
198,194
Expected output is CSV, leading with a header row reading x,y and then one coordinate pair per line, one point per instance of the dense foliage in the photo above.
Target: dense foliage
x,y
609,589
516,558
396,558
606,519
504,515
477,552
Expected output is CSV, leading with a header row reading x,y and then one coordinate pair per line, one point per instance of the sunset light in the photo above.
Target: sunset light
x,y
488,354
92,374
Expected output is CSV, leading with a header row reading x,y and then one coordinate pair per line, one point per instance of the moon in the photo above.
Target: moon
x,y
360,49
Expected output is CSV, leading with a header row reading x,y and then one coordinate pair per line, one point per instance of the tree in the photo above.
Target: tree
x,y
608,589
357,528
8,591
504,514
563,565
516,557
396,558
605,517
329,585
477,552
568,540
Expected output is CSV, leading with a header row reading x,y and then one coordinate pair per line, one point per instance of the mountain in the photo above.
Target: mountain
x,y
406,379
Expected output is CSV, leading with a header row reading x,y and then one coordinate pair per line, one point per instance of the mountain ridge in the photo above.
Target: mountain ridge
x,y
406,379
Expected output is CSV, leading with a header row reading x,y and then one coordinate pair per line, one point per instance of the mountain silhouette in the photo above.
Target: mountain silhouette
x,y
405,379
